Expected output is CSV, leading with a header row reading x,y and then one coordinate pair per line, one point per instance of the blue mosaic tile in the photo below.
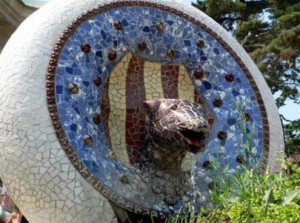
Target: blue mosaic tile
x,y
139,23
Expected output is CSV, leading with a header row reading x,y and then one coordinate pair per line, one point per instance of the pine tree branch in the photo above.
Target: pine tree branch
x,y
285,119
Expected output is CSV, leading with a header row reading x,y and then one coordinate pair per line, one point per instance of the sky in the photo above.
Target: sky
x,y
291,111
35,3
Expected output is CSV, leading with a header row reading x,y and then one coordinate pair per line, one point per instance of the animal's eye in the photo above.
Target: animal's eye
x,y
174,107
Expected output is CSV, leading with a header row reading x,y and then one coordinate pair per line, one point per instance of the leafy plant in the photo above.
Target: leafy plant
x,y
253,196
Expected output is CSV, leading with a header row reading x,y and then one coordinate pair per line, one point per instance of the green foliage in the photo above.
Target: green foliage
x,y
224,12
217,9
268,197
292,136
289,21
253,196
282,4
253,25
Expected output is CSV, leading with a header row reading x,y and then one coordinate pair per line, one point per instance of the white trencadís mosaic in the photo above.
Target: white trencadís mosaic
x,y
41,179
39,176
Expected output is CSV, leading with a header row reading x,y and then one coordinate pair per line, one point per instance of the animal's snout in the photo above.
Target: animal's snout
x,y
194,124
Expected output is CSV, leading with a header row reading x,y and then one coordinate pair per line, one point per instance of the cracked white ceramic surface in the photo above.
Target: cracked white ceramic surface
x,y
36,170
40,178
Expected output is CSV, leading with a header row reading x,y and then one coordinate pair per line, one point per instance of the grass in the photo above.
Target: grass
x,y
251,196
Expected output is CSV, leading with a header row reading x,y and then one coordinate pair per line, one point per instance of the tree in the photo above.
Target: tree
x,y
269,30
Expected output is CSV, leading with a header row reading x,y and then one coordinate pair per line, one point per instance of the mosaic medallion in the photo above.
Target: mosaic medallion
x,y
110,61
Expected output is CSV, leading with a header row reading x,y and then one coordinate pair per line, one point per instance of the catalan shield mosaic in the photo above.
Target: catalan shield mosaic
x,y
110,61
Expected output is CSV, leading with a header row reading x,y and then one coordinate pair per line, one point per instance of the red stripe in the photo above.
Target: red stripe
x,y
169,80
199,99
135,116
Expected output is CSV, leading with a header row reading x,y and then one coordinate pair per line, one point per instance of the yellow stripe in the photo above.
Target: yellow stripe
x,y
152,78
186,91
185,85
117,117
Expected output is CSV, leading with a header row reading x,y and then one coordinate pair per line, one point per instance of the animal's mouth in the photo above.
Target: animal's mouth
x,y
196,140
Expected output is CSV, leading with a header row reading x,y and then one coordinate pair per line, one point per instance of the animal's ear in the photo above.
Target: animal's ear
x,y
151,106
